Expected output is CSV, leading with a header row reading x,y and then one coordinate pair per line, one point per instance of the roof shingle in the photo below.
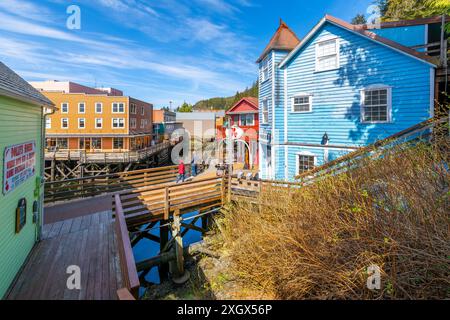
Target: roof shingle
x,y
283,39
12,84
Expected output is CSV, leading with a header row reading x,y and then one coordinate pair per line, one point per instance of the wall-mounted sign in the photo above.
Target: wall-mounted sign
x,y
19,164
21,214
234,132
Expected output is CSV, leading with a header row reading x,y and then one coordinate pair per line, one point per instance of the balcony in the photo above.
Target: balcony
x,y
106,156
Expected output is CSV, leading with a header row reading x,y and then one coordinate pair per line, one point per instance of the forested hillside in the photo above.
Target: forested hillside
x,y
219,103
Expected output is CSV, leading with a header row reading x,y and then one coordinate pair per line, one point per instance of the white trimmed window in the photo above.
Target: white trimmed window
x,y
143,123
117,143
81,123
64,123
48,123
327,55
64,107
81,107
376,105
302,103
98,107
118,123
247,119
142,111
118,107
304,162
265,69
265,111
98,123
133,123
133,108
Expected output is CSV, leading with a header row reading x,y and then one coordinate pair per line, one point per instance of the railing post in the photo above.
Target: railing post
x,y
166,203
223,190
179,275
229,185
260,196
442,40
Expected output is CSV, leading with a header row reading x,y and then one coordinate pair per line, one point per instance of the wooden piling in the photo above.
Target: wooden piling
x,y
176,234
163,268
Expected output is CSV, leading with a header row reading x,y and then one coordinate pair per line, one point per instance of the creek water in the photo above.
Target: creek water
x,y
146,248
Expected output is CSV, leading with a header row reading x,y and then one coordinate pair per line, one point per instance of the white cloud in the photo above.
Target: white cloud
x,y
194,70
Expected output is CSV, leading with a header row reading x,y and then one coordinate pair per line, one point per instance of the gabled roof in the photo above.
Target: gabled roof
x,y
252,101
361,30
12,85
283,39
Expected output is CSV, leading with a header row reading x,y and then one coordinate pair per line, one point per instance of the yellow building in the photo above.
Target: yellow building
x,y
95,120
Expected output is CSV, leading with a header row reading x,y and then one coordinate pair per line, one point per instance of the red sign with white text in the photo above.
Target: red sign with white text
x,y
19,164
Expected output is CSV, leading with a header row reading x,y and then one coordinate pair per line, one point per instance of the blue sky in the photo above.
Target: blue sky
x,y
157,51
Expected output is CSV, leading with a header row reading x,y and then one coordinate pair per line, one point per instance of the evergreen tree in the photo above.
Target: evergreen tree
x,y
359,19
185,107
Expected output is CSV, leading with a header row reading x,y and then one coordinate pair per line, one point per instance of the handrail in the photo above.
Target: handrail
x,y
101,184
127,263
368,149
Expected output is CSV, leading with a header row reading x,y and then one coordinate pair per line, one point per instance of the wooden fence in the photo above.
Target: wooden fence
x,y
105,156
159,202
128,269
103,184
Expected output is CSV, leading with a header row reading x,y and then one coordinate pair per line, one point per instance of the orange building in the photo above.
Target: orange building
x,y
95,120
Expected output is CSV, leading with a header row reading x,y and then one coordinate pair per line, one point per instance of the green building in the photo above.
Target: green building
x,y
22,125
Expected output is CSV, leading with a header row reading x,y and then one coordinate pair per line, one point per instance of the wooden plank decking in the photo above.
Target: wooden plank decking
x,y
89,242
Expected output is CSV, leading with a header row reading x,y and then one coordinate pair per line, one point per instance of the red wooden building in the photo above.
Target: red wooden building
x,y
242,125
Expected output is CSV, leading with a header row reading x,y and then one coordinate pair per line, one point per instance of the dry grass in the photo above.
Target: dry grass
x,y
316,242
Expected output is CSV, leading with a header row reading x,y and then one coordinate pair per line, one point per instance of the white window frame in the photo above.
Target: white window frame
x,y
302,95
118,108
133,108
101,123
101,107
62,110
142,111
118,122
84,121
388,101
246,122
266,103
305,154
337,54
123,143
79,104
62,121
48,123
143,123
265,68
133,123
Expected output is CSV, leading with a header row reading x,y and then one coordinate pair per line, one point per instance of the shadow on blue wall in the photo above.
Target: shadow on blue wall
x,y
354,73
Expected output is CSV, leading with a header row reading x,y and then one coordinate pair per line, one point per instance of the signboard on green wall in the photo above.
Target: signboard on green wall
x,y
19,164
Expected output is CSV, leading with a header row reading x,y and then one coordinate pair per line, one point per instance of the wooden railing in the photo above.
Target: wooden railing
x,y
439,49
421,130
159,202
128,269
102,184
106,157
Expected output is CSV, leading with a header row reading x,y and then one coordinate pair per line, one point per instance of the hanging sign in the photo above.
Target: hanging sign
x,y
19,164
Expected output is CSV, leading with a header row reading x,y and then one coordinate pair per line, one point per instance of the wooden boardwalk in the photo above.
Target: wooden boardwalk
x,y
89,242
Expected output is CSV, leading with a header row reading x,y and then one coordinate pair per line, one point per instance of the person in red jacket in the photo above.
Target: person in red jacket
x,y
181,171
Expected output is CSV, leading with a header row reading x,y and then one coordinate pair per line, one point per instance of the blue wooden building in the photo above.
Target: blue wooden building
x,y
341,87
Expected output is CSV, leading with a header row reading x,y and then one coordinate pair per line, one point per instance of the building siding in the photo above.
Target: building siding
x,y
336,98
336,93
19,122
408,36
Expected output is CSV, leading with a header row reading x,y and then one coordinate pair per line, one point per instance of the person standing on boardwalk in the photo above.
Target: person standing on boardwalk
x,y
181,171
194,164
